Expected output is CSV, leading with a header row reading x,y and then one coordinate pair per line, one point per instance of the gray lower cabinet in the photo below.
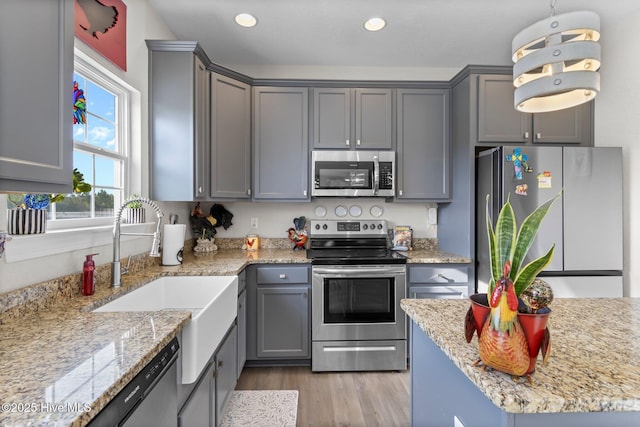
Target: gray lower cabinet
x,y
179,121
278,313
242,332
423,126
36,83
449,281
499,122
281,143
230,138
347,118
198,409
206,402
226,372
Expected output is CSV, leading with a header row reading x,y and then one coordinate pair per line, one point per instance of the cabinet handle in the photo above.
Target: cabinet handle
x,y
526,135
399,192
442,276
538,136
358,142
249,192
220,364
304,193
347,142
283,276
200,190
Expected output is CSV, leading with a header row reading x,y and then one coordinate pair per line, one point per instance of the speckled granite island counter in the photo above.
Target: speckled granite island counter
x,y
591,378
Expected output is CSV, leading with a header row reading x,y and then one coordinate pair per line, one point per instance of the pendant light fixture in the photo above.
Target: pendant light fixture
x,y
556,62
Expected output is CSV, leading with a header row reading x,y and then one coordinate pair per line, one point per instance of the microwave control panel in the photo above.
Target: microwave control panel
x,y
386,176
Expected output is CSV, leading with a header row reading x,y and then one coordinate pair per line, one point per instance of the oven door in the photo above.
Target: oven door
x,y
358,302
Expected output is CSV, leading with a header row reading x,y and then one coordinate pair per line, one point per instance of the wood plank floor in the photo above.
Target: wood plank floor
x,y
353,399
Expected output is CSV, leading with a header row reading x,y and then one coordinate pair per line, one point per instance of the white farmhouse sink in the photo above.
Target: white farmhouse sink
x,y
212,301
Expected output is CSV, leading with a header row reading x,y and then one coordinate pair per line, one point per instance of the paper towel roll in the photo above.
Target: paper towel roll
x,y
173,243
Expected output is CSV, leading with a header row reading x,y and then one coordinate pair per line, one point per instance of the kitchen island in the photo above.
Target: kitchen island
x,y
591,377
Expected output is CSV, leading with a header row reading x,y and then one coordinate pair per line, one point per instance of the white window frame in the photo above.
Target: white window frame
x,y
104,78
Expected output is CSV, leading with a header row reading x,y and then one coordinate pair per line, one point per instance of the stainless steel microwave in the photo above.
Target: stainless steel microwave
x,y
353,173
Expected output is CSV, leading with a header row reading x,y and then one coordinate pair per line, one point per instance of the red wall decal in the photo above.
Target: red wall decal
x,y
102,24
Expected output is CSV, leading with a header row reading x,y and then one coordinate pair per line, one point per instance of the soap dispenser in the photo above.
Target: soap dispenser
x,y
88,278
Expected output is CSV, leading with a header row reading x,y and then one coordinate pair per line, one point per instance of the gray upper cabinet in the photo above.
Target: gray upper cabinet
x,y
36,83
281,143
345,118
230,138
423,144
179,121
499,122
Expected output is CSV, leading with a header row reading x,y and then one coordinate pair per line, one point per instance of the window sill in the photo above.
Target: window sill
x,y
53,242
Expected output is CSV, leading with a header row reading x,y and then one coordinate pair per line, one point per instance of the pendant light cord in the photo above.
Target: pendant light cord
x,y
553,7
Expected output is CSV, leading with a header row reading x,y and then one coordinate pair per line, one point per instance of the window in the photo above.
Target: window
x,y
100,149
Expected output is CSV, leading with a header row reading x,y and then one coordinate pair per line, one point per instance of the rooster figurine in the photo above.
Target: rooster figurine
x,y
502,343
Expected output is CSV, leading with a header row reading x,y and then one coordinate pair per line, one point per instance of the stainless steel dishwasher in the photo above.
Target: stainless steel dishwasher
x,y
150,399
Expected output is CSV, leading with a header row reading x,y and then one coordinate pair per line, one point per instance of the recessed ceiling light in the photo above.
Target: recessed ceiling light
x,y
246,20
375,24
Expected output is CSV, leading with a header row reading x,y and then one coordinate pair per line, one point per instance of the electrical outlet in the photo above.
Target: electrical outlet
x,y
254,223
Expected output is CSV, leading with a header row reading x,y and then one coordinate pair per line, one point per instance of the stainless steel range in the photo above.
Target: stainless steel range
x,y
357,285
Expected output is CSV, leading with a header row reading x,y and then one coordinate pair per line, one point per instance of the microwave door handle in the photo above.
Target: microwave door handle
x,y
376,175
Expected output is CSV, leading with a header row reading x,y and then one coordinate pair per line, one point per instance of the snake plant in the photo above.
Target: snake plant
x,y
507,243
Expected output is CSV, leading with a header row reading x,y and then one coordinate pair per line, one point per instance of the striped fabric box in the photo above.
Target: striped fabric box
x,y
26,221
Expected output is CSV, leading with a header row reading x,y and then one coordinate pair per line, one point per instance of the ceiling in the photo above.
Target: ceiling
x,y
419,33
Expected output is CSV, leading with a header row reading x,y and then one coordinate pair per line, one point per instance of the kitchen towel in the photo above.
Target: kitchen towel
x,y
173,243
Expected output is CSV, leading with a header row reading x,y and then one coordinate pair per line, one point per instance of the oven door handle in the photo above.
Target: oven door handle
x,y
359,271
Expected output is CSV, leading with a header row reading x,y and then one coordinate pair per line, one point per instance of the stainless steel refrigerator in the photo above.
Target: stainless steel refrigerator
x,y
585,224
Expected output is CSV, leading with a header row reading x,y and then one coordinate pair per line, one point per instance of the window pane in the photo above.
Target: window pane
x,y
105,202
74,206
84,163
81,81
78,133
100,102
107,172
101,133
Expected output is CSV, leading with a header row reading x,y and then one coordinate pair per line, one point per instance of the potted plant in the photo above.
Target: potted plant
x,y
511,319
134,212
30,214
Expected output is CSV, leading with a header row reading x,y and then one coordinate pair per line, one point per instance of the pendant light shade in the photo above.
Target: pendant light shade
x,y
556,62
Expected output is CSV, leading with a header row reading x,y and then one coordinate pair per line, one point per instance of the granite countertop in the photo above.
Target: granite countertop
x,y
593,365
55,351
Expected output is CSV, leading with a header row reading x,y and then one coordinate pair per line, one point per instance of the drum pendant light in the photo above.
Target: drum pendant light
x,y
556,62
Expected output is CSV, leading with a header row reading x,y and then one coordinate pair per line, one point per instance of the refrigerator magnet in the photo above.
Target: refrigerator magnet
x,y
519,162
521,189
544,179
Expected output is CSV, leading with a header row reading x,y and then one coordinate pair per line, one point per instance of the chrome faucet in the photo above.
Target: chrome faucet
x,y
116,270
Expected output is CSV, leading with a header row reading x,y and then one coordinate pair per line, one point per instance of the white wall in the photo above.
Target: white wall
x,y
617,119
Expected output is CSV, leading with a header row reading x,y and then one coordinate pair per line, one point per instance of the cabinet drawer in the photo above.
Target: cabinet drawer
x,y
439,292
279,275
439,274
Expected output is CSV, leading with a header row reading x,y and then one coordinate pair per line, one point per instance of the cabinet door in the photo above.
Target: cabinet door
x,y
242,332
283,322
230,138
281,143
439,292
568,126
179,122
36,86
423,144
226,372
374,118
198,411
498,120
201,125
332,118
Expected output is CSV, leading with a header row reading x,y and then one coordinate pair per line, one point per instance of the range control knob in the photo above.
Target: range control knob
x,y
373,226
325,226
365,226
317,227
379,226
